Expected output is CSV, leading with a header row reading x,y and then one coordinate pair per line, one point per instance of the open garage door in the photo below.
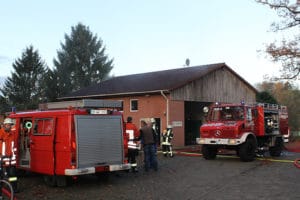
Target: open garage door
x,y
194,118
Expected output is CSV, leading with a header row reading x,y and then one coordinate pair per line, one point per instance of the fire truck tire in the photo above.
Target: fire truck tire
x,y
55,180
277,149
247,150
63,181
50,180
209,152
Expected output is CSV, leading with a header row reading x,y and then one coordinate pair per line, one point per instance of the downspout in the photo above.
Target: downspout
x,y
167,100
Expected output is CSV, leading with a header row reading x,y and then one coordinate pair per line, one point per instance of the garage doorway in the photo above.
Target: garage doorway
x,y
194,118
156,126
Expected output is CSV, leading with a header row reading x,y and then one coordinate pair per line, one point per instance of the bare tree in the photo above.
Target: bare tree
x,y
287,52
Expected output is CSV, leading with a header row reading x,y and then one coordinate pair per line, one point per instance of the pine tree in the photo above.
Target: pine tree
x,y
50,85
24,89
81,61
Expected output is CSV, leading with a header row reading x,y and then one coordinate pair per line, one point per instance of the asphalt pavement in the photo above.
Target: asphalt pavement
x,y
185,176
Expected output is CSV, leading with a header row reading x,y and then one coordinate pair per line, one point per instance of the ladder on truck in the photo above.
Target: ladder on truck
x,y
270,106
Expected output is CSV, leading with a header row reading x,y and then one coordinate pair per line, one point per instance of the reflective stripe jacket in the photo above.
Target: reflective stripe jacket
x,y
7,145
133,135
167,137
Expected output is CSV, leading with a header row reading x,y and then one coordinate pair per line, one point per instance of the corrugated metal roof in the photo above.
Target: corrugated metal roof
x,y
165,80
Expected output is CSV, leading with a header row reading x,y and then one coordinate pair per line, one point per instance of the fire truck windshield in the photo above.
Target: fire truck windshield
x,y
227,113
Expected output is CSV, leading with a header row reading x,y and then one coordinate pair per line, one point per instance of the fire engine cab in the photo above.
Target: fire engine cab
x,y
248,129
71,138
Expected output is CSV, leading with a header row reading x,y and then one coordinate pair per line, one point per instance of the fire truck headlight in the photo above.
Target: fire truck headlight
x,y
200,140
232,141
11,179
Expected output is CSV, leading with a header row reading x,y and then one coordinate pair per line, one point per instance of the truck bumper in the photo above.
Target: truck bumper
x,y
119,167
92,170
80,171
219,141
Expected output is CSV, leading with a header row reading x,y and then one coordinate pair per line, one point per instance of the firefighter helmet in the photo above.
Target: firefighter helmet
x,y
8,121
129,119
169,126
152,120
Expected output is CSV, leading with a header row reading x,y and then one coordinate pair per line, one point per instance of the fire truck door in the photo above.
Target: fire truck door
x,y
249,125
24,148
42,146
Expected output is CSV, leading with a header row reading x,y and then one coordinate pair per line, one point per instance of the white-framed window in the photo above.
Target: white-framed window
x,y
134,105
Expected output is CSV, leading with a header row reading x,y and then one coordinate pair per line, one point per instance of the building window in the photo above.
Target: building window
x,y
122,105
133,105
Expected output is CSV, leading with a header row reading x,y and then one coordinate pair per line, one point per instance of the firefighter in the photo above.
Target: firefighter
x,y
8,149
156,131
166,142
134,145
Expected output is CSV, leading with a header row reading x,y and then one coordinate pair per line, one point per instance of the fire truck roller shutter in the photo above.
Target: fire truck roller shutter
x,y
99,140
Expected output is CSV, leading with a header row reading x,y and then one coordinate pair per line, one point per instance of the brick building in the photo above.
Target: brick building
x,y
173,97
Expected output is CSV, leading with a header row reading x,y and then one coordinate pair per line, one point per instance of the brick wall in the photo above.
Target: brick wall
x,y
155,106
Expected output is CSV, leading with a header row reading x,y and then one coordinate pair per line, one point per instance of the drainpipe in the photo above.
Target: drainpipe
x,y
167,100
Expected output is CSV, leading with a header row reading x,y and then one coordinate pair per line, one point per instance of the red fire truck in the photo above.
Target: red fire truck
x,y
249,129
71,138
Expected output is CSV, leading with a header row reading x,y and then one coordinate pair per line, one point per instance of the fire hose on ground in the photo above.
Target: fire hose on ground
x,y
196,153
296,163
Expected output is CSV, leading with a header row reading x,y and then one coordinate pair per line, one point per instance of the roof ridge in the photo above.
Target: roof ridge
x,y
166,70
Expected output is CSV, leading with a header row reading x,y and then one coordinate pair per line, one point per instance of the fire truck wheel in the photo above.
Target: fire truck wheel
x,y
277,149
50,180
209,152
63,181
247,150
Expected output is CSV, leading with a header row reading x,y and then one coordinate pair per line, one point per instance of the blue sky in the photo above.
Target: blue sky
x,y
144,36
